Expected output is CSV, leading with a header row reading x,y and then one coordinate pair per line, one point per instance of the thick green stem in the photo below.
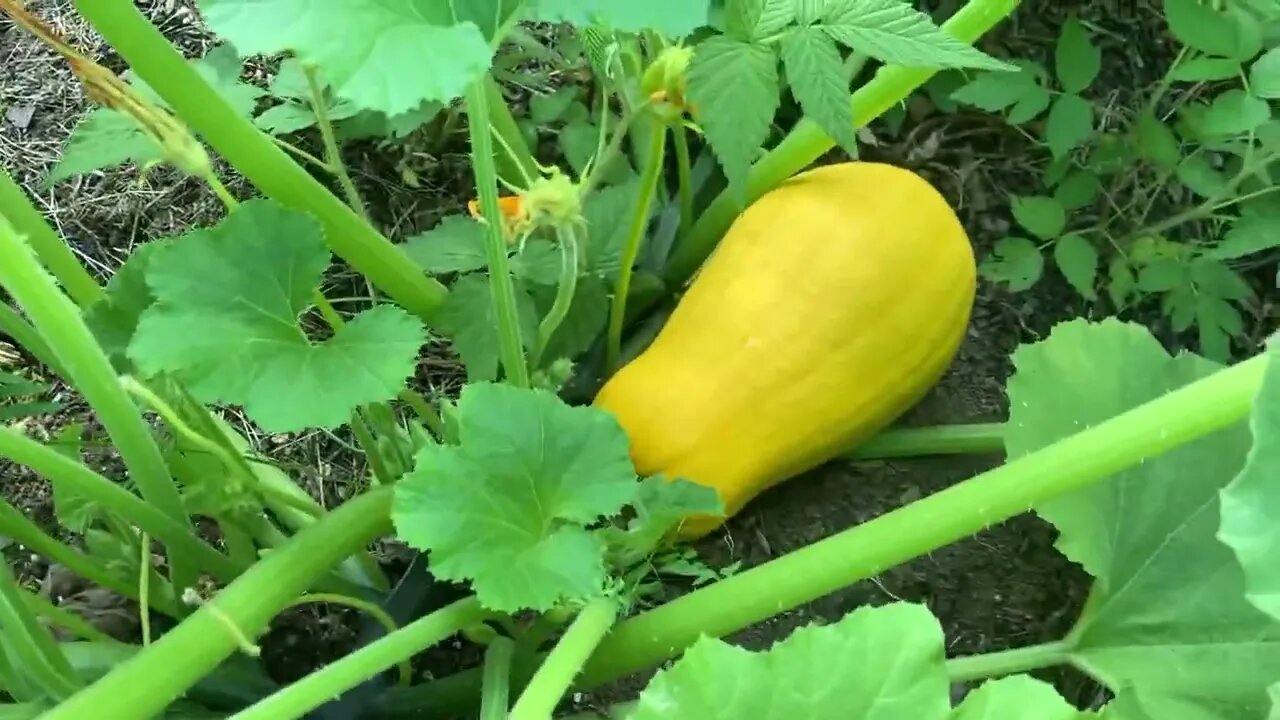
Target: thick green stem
x,y
1068,465
500,284
939,440
639,220
807,142
565,661
62,327
193,649
568,237
12,324
323,685
30,645
1007,662
257,157
495,695
53,252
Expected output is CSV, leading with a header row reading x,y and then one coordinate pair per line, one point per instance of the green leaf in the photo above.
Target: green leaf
x,y
244,283
815,74
996,91
878,663
547,108
1031,106
605,235
1218,321
735,87
468,319
1202,28
506,508
1166,617
1018,696
296,112
104,138
114,318
1014,261
1248,235
1200,177
75,511
1213,277
454,245
894,32
1070,123
660,506
1264,76
1077,258
1206,69
673,18
1121,283
757,20
1162,276
221,68
586,319
1077,190
1234,112
1156,142
1043,217
1180,306
1076,58
363,47
1251,502
537,263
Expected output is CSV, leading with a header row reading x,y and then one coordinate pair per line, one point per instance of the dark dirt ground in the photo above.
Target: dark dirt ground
x,y
1005,588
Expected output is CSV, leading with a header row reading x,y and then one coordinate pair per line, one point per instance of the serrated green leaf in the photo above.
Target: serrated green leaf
x,y
996,91
881,663
586,319
364,63
1251,502
468,319
808,11
1264,76
1202,28
660,506
104,138
1077,258
815,74
756,20
507,507
1156,142
537,263
1030,106
221,68
1180,307
892,31
454,245
735,88
1162,276
295,112
244,283
1017,697
1014,261
1200,177
114,318
1043,217
1234,112
547,108
605,235
1070,123
1213,277
1248,235
1206,69
1076,58
1167,616
1121,283
1077,190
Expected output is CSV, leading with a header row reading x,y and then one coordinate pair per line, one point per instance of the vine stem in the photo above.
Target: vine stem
x,y
1211,205
322,685
684,174
332,153
555,676
495,696
1008,662
501,287
639,219
939,440
568,237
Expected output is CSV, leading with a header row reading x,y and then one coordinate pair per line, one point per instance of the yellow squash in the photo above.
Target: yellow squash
x,y
831,306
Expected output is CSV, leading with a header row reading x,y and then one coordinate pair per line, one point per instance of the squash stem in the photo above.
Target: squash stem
x,y
565,661
807,142
514,364
639,219
979,439
568,285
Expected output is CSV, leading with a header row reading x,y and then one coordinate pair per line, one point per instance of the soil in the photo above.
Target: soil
x,y
1006,587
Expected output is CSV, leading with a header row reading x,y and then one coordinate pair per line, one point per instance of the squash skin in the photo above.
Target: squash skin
x,y
831,306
